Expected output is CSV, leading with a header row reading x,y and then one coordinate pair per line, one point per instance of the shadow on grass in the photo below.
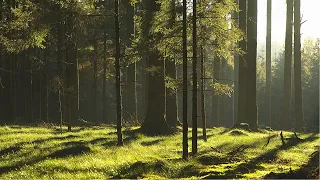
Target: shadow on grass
x,y
254,164
10,150
150,143
137,169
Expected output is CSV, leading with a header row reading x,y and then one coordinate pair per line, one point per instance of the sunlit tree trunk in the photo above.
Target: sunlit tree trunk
x,y
297,68
268,63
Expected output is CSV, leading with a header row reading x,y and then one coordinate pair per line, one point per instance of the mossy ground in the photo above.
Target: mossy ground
x,y
91,153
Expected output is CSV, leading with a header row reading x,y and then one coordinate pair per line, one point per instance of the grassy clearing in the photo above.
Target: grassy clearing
x,y
91,153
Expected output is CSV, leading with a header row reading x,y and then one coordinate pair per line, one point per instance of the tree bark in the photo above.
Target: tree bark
x,y
251,111
194,81
203,110
215,95
242,63
185,83
104,81
118,77
286,123
297,68
268,63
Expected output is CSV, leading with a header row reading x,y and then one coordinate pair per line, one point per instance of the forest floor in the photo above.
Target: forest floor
x,y
91,153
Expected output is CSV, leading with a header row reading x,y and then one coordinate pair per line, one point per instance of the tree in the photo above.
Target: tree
x,y
251,111
170,69
203,111
215,95
297,68
185,82
268,62
286,123
154,122
117,67
194,80
242,63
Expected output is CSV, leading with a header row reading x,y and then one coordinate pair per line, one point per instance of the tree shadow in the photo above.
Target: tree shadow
x,y
137,169
79,149
10,150
254,164
150,143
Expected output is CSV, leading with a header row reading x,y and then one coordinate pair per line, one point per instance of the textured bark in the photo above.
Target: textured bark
x,y
242,63
117,67
251,111
297,68
286,123
236,76
185,82
268,63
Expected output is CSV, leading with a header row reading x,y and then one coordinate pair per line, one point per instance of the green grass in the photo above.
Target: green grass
x,y
91,153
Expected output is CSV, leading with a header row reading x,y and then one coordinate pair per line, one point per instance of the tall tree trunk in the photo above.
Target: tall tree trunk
x,y
104,81
95,79
242,63
194,81
131,69
154,122
251,111
222,98
203,110
170,69
185,83
286,123
60,69
297,68
215,95
268,63
236,75
72,107
117,67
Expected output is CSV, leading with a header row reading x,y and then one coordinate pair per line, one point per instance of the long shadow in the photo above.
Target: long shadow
x,y
253,165
150,143
67,152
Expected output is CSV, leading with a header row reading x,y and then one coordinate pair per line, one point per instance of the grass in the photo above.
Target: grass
x,y
91,153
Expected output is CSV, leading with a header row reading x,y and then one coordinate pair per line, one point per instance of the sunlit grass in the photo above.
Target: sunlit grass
x,y
91,153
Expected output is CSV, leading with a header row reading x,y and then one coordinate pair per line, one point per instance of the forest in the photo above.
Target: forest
x,y
157,89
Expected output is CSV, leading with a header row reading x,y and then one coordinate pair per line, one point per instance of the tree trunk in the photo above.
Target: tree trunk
x,y
286,123
171,94
185,83
268,63
194,81
104,81
297,68
131,69
203,110
117,67
251,111
154,122
215,95
242,63
95,80
236,75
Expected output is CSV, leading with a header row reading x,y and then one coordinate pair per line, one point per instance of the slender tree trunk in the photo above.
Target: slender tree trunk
x,y
185,82
170,69
203,110
104,81
236,75
215,96
297,68
95,80
194,81
251,111
60,71
242,63
131,69
268,63
286,123
117,67
222,98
